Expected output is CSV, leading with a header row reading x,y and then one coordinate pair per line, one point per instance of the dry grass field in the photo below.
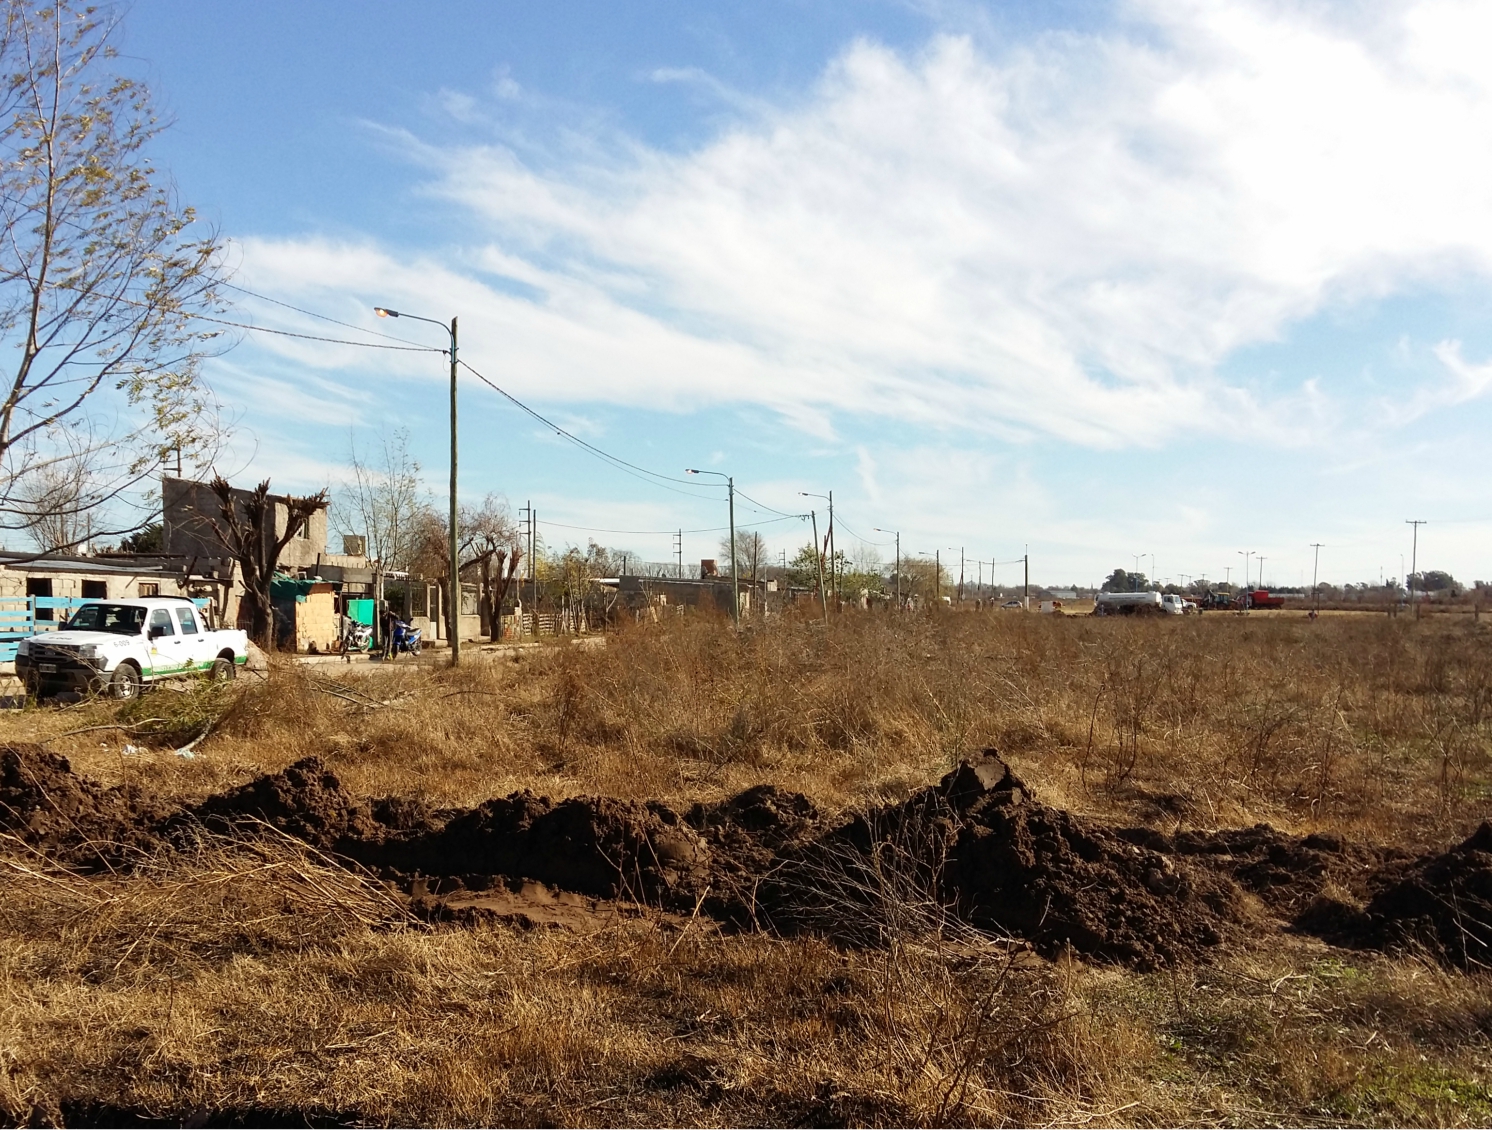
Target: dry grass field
x,y
249,974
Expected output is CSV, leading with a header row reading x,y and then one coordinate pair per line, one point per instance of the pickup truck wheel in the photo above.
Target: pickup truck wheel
x,y
125,683
223,671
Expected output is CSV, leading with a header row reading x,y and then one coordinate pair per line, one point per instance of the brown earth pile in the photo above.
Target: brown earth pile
x,y
75,820
1442,902
976,849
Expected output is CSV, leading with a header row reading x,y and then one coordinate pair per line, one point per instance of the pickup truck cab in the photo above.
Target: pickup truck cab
x,y
118,646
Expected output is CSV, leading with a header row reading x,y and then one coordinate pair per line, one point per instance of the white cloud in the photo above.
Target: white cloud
x,y
1065,239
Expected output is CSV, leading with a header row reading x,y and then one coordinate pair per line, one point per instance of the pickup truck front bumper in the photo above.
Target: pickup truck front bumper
x,y
47,672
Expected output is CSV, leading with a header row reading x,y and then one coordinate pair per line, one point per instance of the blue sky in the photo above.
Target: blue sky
x,y
1175,278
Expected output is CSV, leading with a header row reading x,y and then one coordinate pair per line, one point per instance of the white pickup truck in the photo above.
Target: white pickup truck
x,y
117,646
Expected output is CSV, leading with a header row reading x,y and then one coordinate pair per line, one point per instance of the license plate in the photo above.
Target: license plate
x,y
47,668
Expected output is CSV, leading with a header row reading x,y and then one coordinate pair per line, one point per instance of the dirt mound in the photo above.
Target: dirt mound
x,y
1442,901
596,846
72,818
306,800
977,850
1063,882
1287,872
747,836
978,846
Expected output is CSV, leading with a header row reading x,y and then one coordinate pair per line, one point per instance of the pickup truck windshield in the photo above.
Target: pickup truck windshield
x,y
123,619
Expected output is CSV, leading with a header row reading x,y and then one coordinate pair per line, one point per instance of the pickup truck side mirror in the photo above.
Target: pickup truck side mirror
x,y
156,631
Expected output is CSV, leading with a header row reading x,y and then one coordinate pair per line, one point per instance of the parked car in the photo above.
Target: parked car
x,y
118,646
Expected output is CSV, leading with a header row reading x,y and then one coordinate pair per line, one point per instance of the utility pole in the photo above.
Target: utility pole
x,y
1315,567
528,540
1228,577
455,617
678,548
898,561
960,575
1026,558
735,574
453,612
1414,559
833,557
1261,570
938,577
819,557
828,541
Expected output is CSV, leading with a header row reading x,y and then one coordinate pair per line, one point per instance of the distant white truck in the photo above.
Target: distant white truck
x,y
118,646
1144,603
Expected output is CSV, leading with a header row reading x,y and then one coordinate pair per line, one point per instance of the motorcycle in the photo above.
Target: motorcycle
x,y
405,637
356,637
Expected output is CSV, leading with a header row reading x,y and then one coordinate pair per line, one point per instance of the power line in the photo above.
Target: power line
x,y
763,506
675,531
323,317
288,333
656,478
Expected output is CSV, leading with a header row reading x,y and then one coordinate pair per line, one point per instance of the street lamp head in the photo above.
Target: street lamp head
x,y
385,312
690,471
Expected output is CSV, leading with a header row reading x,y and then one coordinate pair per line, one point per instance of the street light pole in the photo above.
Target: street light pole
x,y
453,610
833,568
898,561
1413,558
735,573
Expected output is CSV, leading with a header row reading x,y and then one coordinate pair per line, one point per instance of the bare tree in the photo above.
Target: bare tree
x,y
99,280
751,550
383,502
489,548
55,504
245,525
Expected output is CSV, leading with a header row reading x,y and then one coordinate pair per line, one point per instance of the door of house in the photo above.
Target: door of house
x,y
40,586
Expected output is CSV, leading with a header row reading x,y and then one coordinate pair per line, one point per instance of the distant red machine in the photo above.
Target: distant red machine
x,y
1260,598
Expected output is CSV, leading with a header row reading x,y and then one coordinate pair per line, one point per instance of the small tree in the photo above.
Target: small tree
x,y
99,282
1121,581
383,502
152,539
751,552
245,526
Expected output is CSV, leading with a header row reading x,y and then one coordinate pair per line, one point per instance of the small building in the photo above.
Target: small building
x,y
189,511
305,614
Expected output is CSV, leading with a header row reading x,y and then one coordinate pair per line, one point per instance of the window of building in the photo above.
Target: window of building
x,y
40,586
150,588
95,590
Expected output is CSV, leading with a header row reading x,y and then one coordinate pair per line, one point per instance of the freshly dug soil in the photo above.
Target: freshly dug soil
x,y
1442,902
979,847
976,850
596,846
306,801
72,819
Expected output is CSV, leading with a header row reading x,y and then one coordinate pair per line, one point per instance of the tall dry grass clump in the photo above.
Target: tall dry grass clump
x,y
1367,725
